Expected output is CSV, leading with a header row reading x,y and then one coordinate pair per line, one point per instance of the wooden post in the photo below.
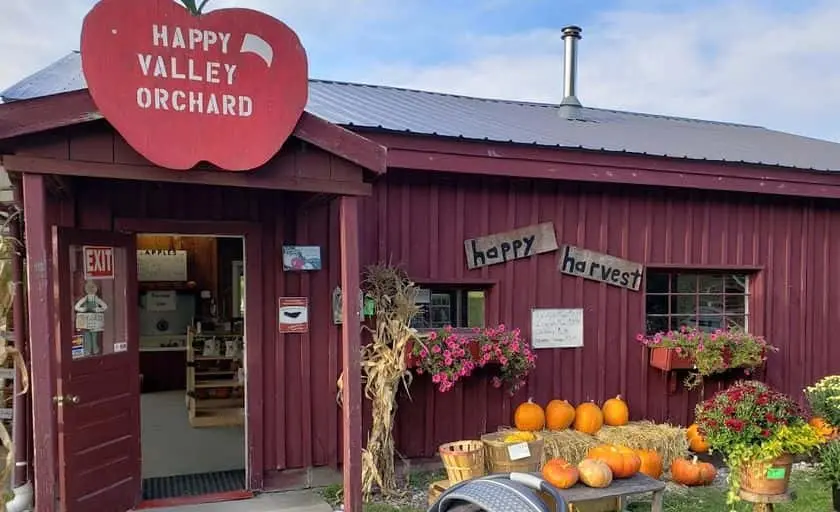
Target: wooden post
x,y
42,340
351,355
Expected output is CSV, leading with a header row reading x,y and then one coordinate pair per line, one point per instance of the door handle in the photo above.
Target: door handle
x,y
66,399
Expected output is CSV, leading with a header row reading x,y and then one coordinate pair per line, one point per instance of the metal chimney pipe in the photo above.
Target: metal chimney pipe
x,y
571,35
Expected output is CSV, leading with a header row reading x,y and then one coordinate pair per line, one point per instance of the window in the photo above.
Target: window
x,y
442,306
707,301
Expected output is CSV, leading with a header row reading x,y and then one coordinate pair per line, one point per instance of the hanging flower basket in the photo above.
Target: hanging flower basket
x,y
668,359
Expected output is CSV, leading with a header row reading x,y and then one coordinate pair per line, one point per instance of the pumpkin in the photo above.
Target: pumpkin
x,y
693,430
623,462
698,444
559,473
595,473
651,463
519,437
588,418
616,413
821,427
692,472
529,416
559,415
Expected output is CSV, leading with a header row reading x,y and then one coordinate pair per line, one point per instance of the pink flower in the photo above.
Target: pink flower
x,y
433,335
424,353
501,327
503,361
678,350
447,354
436,378
497,382
436,349
447,361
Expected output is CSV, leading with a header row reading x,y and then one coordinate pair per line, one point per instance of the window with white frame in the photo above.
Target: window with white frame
x,y
705,300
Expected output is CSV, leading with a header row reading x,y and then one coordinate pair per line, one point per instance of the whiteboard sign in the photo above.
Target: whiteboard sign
x,y
161,265
556,328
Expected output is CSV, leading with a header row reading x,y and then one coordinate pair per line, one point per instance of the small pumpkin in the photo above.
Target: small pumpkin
x,y
821,427
623,462
559,473
616,413
559,415
692,473
698,444
588,418
651,463
595,473
693,430
529,416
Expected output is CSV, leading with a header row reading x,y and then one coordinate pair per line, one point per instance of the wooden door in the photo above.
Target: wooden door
x,y
98,390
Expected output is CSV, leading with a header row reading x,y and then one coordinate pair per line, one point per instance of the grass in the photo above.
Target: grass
x,y
811,496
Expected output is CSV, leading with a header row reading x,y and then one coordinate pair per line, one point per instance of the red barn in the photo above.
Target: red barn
x,y
731,224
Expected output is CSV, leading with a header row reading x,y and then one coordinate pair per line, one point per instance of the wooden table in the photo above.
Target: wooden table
x,y
619,488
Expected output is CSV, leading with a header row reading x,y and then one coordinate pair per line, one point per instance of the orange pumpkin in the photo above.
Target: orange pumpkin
x,y
623,462
698,444
529,416
822,428
560,474
616,413
693,430
651,463
692,472
595,473
559,415
588,418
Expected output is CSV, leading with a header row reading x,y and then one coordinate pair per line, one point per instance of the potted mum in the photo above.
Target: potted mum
x,y
824,399
706,353
449,355
758,431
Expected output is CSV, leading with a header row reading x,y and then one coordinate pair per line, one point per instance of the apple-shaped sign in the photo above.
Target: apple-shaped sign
x,y
225,87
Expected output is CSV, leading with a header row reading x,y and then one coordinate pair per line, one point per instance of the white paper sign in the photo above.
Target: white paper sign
x,y
161,265
518,451
162,301
556,328
121,346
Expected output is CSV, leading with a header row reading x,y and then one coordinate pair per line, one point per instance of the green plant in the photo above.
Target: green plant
x,y
824,399
828,465
712,352
750,423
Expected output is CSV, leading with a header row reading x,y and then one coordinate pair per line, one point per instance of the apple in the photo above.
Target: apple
x,y
226,87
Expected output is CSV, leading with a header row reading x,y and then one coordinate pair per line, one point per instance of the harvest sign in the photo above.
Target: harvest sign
x,y
227,87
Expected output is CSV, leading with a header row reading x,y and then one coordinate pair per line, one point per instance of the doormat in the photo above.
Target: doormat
x,y
193,485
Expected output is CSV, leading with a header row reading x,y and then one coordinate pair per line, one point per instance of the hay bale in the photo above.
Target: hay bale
x,y
667,440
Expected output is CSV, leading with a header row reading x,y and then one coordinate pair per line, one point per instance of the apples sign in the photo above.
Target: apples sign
x,y
226,87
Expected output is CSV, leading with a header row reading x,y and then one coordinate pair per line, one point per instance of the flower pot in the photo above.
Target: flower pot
x,y
667,359
769,478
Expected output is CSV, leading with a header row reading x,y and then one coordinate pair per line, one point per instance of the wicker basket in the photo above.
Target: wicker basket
x,y
497,454
436,489
463,460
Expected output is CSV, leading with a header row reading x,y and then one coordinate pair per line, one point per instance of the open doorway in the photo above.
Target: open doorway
x,y
191,320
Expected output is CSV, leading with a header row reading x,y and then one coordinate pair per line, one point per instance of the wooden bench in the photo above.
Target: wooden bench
x,y
619,489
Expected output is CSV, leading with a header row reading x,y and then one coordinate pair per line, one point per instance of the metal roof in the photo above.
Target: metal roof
x,y
429,113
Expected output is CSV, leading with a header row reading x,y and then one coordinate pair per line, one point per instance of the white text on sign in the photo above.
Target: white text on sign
x,y
98,262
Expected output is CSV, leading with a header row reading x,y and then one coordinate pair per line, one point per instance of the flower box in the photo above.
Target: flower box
x,y
667,359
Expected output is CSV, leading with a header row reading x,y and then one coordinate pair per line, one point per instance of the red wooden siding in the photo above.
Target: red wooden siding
x,y
420,220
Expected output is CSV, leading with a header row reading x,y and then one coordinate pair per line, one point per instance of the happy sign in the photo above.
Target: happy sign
x,y
98,262
227,87
511,245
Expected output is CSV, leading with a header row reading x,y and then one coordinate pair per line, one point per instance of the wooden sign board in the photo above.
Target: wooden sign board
x,y
293,314
600,267
556,328
519,243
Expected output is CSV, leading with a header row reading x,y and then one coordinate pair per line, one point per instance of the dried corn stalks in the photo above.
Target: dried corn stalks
x,y
384,370
8,246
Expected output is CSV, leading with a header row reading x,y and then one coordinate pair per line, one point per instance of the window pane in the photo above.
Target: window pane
x,y
475,309
683,320
684,304
735,283
656,305
736,304
657,324
684,283
657,283
710,283
710,304
710,323
739,321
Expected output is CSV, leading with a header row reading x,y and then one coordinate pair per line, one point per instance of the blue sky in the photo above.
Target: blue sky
x,y
765,62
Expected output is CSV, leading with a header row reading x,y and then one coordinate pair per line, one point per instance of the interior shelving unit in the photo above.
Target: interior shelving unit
x,y
215,386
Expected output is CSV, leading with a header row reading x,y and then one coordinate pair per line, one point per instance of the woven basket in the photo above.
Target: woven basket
x,y
497,454
436,489
463,460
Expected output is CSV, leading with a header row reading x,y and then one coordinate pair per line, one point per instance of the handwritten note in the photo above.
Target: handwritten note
x,y
557,328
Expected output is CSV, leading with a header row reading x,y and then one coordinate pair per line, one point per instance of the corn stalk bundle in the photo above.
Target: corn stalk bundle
x,y
383,366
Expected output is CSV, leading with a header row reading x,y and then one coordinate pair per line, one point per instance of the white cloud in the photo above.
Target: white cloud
x,y
734,61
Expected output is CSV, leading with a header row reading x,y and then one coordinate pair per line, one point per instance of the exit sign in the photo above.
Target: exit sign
x,y
98,262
